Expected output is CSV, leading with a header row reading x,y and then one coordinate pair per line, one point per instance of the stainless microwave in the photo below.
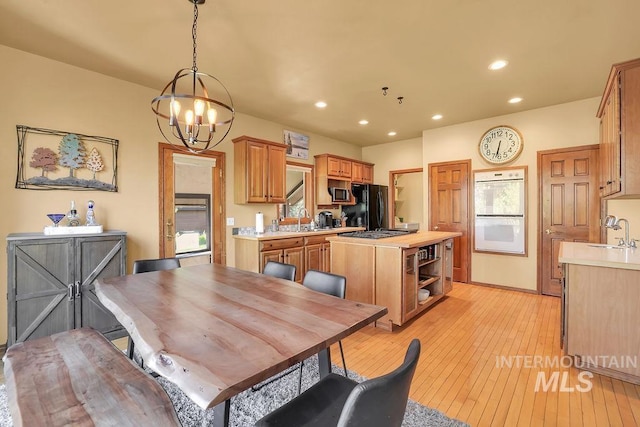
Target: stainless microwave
x,y
339,194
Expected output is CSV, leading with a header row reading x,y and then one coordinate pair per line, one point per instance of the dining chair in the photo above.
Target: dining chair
x,y
339,401
280,270
145,266
330,284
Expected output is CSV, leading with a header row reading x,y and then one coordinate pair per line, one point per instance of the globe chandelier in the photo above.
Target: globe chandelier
x,y
189,110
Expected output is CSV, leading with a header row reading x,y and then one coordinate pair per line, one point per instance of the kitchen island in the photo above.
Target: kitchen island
x,y
406,273
600,317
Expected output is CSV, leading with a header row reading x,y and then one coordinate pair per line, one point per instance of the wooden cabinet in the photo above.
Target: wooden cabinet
x,y
260,170
600,319
619,115
50,283
338,167
253,254
392,275
361,173
317,253
341,172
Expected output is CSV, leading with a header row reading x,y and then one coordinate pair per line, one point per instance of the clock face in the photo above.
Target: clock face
x,y
500,145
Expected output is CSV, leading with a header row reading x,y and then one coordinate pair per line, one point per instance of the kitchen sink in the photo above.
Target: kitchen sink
x,y
605,246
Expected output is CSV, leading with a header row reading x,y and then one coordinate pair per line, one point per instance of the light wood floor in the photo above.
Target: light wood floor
x,y
458,371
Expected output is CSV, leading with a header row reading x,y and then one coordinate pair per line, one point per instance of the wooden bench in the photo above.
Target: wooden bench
x,y
79,378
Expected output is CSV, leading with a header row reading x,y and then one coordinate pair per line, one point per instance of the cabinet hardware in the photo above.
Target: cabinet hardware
x,y
70,291
549,231
78,290
169,236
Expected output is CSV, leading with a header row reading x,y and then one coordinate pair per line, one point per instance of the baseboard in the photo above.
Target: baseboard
x,y
506,288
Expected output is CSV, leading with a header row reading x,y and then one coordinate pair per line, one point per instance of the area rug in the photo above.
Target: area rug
x,y
249,406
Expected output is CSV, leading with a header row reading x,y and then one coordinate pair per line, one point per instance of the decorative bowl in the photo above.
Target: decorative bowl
x,y
423,294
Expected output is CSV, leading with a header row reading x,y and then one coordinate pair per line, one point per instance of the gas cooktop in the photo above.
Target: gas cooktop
x,y
380,233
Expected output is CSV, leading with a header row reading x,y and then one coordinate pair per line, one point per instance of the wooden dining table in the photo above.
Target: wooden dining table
x,y
215,331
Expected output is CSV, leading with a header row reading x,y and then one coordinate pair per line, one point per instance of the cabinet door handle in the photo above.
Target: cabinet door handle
x,y
78,290
70,291
169,236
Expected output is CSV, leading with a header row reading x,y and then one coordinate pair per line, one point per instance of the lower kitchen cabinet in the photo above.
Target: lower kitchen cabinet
x,y
317,253
50,286
307,251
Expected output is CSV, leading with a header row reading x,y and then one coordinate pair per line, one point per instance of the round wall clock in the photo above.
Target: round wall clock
x,y
500,145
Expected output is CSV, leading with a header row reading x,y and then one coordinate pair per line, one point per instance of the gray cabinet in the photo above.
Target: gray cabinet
x,y
50,283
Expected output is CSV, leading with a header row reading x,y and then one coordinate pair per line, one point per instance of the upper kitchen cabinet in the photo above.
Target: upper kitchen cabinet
x,y
260,170
619,115
337,167
361,173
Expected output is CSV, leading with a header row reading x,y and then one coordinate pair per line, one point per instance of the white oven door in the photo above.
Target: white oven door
x,y
500,234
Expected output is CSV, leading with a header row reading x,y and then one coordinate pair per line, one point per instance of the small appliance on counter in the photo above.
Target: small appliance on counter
x,y
325,220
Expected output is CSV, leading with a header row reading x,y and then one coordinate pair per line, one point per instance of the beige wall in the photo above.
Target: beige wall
x,y
42,93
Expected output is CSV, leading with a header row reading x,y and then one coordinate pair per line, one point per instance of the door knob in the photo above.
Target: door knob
x,y
436,227
548,231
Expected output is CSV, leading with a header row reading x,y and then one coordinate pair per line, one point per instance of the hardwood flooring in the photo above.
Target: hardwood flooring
x,y
467,341
463,338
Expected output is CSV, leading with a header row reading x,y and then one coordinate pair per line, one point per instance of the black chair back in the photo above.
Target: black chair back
x,y
146,265
280,270
327,283
381,401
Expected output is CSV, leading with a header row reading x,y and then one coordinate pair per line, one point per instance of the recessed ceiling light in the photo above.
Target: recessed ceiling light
x,y
392,133
515,100
364,122
436,116
321,104
496,65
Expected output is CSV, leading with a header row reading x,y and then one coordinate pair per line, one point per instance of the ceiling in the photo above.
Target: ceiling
x,y
278,57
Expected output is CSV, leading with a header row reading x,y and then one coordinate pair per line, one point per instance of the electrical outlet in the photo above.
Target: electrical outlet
x,y
231,221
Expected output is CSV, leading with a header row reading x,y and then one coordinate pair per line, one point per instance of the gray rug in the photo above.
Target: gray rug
x,y
248,406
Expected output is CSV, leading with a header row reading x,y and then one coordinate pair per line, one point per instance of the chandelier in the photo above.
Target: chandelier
x,y
205,120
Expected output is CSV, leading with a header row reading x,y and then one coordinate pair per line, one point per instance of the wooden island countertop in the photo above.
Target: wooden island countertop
x,y
411,240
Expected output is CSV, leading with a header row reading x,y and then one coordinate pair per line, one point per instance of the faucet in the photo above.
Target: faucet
x,y
614,223
306,215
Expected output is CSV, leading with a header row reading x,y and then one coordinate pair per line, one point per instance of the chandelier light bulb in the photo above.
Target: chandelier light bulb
x,y
198,108
175,112
212,115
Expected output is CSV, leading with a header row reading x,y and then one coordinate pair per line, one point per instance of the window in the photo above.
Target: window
x,y
193,223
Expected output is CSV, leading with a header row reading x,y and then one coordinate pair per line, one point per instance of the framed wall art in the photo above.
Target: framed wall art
x,y
58,160
297,144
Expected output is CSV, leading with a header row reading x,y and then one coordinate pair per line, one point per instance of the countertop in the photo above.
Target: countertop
x,y
274,235
599,256
421,238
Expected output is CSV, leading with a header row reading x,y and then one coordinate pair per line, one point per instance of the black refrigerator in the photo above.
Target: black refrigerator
x,y
371,208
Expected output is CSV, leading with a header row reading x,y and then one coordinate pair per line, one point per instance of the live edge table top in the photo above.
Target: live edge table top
x,y
215,331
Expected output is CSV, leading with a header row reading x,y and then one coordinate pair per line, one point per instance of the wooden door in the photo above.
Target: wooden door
x,y
449,210
295,256
40,302
166,184
98,257
569,207
257,172
277,176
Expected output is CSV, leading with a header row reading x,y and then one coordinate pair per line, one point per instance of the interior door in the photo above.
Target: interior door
x,y
569,207
166,177
449,210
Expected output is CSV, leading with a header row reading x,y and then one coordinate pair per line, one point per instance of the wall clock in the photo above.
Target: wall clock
x,y
500,145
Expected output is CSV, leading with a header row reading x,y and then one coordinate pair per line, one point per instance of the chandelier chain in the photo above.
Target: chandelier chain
x,y
194,30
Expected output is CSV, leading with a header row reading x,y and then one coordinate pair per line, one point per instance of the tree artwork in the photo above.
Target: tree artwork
x,y
44,158
94,162
72,152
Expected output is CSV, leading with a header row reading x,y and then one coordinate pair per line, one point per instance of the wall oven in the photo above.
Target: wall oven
x,y
499,210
